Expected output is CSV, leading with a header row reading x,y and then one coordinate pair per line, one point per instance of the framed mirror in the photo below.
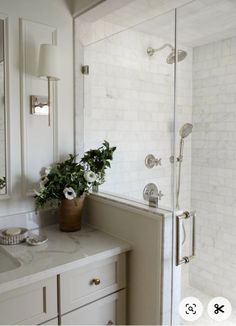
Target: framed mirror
x,y
3,112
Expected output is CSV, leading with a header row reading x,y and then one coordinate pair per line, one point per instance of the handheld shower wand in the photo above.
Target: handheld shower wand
x,y
185,130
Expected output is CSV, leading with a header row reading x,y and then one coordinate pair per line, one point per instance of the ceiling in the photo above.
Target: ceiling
x,y
198,22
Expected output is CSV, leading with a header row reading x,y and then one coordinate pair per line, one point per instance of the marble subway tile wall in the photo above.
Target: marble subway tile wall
x,y
129,101
214,168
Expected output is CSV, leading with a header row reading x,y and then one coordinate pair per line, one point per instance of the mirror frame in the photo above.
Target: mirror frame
x,y
4,17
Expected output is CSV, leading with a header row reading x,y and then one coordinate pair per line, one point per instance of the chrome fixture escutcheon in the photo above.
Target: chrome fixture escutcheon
x,y
150,190
151,161
152,194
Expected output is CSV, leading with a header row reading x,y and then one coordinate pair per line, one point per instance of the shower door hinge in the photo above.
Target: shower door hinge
x,y
85,70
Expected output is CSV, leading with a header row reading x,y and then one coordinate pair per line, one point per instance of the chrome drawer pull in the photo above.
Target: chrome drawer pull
x,y
184,216
95,281
110,322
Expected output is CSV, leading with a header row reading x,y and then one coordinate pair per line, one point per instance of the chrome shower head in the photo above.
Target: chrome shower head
x,y
171,57
185,130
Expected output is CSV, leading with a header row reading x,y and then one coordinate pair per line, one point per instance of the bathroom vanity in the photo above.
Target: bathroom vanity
x,y
75,278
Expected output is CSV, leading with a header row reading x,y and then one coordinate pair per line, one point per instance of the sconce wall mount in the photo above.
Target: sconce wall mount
x,y
39,105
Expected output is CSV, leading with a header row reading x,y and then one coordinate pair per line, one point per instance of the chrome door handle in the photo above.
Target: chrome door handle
x,y
184,216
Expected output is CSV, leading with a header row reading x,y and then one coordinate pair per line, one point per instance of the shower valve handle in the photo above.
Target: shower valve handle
x,y
151,161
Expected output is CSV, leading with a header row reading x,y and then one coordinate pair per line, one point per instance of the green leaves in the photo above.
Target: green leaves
x,y
98,159
71,174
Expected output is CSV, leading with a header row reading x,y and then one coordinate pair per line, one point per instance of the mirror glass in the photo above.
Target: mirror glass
x,y
2,114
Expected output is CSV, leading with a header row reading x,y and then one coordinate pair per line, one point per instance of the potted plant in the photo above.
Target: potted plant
x,y
66,184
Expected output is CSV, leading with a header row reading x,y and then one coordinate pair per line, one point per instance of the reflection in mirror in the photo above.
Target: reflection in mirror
x,y
2,114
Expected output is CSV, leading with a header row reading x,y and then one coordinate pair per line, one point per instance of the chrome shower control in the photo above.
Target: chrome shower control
x,y
150,190
160,195
151,193
151,161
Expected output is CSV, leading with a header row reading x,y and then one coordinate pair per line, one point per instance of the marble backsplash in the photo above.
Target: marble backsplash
x,y
30,220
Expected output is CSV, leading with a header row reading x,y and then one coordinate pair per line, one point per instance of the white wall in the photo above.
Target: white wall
x,y
214,169
56,14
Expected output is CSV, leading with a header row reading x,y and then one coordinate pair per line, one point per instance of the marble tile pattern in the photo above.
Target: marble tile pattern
x,y
214,168
129,102
62,252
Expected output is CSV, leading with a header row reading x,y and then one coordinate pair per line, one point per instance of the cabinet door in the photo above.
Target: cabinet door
x,y
51,322
106,311
31,304
91,282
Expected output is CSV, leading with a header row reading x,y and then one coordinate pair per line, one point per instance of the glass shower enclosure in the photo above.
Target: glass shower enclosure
x,y
164,92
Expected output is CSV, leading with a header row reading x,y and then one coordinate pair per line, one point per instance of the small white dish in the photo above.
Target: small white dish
x,y
36,240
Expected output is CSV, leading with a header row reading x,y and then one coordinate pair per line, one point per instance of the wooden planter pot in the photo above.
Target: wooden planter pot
x,y
70,214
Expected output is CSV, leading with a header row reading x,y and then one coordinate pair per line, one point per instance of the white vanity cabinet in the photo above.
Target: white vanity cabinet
x,y
109,310
94,294
75,279
31,304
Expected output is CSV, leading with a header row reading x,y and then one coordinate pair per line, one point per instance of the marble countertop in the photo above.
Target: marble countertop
x,y
62,252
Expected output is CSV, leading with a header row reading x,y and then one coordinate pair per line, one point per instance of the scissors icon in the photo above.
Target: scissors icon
x,y
218,309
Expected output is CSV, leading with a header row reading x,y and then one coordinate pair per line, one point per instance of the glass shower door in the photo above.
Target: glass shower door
x,y
129,101
204,290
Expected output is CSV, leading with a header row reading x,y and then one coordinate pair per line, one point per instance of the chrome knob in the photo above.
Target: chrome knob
x,y
95,281
160,195
151,161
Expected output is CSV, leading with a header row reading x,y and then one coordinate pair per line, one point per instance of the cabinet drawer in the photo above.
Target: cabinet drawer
x,y
107,311
31,304
89,283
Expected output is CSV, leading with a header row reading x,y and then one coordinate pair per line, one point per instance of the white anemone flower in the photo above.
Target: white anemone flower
x,y
69,193
48,170
90,176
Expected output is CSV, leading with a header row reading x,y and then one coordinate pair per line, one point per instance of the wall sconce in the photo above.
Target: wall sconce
x,y
47,69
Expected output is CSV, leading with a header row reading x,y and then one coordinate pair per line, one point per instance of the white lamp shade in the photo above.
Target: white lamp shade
x,y
48,62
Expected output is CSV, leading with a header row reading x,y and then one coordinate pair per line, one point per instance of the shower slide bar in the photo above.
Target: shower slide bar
x,y
180,218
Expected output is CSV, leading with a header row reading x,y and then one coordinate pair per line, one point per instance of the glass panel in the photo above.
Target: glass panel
x,y
129,101
206,98
2,113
